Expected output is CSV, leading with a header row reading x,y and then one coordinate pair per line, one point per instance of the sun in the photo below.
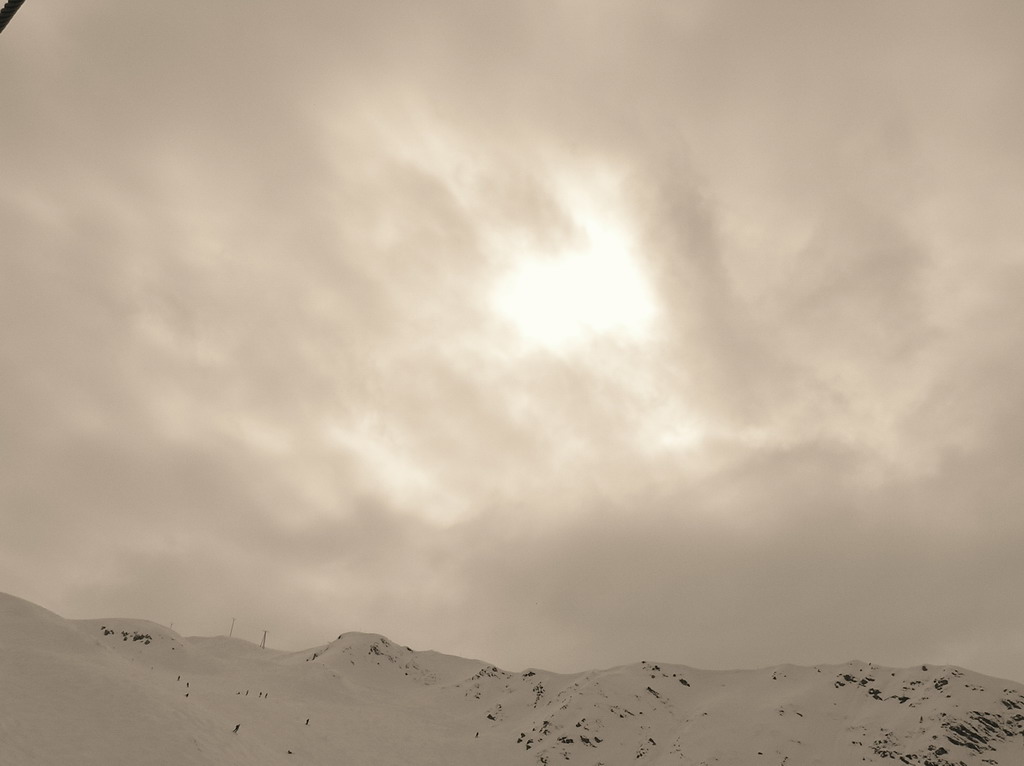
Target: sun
x,y
594,288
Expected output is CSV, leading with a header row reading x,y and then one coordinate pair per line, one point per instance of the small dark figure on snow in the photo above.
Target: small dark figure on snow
x,y
307,722
235,731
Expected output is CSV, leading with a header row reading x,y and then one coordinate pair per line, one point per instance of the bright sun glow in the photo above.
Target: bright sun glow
x,y
595,288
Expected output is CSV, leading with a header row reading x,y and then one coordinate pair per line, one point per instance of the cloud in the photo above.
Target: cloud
x,y
250,338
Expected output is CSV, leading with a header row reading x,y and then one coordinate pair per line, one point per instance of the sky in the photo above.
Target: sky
x,y
560,334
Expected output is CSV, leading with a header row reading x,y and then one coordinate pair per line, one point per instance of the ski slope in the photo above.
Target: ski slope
x,y
120,691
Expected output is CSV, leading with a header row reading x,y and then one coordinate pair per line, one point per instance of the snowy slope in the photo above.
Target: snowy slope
x,y
119,691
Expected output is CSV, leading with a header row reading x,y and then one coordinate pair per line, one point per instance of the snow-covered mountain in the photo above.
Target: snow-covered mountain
x,y
121,691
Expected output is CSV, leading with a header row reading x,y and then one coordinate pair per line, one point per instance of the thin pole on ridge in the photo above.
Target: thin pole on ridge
x,y
232,629
7,13
263,643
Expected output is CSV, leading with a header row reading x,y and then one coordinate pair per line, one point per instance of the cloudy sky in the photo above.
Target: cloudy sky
x,y
557,334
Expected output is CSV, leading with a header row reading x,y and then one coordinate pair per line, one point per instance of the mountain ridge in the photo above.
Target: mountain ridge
x,y
112,690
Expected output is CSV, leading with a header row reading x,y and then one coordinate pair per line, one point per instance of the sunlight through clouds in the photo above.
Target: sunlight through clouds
x,y
595,287
464,304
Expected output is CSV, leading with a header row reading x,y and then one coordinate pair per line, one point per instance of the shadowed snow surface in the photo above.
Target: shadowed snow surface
x,y
118,691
